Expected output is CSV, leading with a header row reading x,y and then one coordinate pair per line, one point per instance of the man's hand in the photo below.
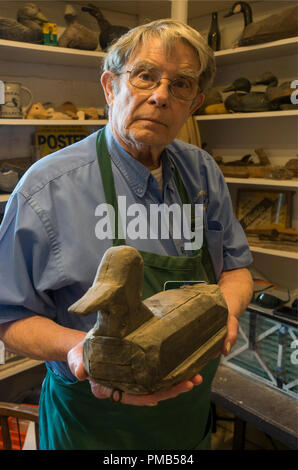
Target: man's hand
x,y
75,362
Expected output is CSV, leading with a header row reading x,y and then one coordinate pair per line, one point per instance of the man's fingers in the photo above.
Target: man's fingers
x,y
100,391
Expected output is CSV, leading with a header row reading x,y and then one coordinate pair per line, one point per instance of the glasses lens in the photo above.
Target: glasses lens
x,y
184,88
144,79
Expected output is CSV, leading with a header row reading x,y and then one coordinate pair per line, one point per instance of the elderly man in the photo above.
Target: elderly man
x,y
50,244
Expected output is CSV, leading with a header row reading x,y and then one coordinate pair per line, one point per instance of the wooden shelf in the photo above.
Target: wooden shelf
x,y
266,114
274,252
51,122
15,51
9,369
263,182
268,50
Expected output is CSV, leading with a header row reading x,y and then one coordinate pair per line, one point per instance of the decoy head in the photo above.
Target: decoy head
x,y
31,12
118,281
93,10
240,84
70,12
238,7
267,78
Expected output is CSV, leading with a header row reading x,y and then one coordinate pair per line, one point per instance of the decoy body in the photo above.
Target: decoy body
x,y
76,35
27,27
272,28
144,346
277,95
108,33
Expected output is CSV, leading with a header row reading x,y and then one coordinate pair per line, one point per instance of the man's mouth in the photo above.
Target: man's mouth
x,y
154,120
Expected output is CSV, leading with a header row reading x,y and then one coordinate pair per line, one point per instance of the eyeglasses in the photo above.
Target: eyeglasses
x,y
184,87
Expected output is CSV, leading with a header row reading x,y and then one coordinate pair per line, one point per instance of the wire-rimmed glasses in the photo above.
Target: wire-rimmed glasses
x,y
183,87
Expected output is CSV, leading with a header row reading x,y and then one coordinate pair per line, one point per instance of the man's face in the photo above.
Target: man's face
x,y
154,117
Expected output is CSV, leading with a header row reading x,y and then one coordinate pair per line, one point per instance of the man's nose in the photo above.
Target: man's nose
x,y
160,95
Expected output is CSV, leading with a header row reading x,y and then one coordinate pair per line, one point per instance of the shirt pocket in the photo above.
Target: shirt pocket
x,y
214,238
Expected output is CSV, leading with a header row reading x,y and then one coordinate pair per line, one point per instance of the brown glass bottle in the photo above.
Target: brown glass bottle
x,y
214,34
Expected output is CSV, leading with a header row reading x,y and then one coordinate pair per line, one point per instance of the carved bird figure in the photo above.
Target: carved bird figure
x,y
108,33
240,84
276,26
277,95
76,35
144,346
245,100
27,27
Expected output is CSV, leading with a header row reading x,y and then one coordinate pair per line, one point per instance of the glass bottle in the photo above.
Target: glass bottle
x,y
214,34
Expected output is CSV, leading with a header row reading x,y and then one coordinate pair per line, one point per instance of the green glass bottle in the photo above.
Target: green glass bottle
x,y
214,34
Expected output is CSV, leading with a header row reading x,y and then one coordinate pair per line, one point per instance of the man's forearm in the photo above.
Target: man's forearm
x,y
237,287
39,338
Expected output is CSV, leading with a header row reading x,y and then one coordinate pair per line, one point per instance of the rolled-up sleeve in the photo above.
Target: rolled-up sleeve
x,y
29,261
226,239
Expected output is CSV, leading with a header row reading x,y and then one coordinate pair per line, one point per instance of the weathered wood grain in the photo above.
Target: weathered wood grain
x,y
144,346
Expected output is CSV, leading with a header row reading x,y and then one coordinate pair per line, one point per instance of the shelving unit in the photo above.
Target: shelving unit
x,y
293,183
260,115
13,51
52,122
79,66
236,134
268,50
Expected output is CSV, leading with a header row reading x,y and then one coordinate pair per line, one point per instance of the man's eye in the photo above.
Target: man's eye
x,y
182,83
146,76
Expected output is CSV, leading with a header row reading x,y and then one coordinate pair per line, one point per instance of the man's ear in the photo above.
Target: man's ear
x,y
197,103
107,84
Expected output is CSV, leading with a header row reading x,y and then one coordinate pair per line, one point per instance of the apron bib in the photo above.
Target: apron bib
x,y
72,418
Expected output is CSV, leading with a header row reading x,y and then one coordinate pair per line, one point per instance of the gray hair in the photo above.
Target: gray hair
x,y
168,31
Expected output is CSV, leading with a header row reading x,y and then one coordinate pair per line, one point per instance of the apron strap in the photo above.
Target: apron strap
x,y
104,162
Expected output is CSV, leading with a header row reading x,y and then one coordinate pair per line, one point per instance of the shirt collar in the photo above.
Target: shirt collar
x,y
136,174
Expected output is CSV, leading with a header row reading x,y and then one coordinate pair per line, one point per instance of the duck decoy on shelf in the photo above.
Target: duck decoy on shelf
x,y
277,26
27,27
143,346
246,101
108,33
76,35
277,95
240,84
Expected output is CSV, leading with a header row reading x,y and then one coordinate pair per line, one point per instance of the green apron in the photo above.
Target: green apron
x,y
72,418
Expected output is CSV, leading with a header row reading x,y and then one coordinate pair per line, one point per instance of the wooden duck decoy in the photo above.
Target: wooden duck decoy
x,y
76,35
244,100
272,28
27,27
252,102
144,346
277,95
240,84
108,33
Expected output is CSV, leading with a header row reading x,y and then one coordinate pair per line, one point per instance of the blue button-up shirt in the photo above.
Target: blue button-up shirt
x,y
49,244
